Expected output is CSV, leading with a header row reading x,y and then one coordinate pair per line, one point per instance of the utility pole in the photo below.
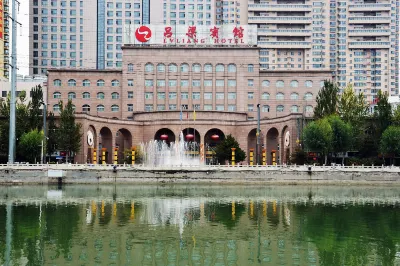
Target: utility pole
x,y
11,138
258,135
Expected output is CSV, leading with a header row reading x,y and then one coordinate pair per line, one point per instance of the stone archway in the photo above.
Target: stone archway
x,y
161,133
105,141
211,139
91,140
285,145
191,131
123,141
251,143
272,144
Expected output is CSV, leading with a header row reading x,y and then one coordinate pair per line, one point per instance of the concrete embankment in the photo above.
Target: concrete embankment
x,y
86,174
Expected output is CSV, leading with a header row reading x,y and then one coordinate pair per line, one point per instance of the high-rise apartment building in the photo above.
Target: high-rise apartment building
x,y
4,39
358,40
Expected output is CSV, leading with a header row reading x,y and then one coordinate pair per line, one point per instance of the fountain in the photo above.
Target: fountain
x,y
160,153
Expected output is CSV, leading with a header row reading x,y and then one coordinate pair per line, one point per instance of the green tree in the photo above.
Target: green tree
x,y
52,134
30,145
396,116
342,135
383,112
35,113
327,100
390,142
69,133
318,137
223,151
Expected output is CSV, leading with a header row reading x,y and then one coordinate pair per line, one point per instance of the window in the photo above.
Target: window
x,y
86,83
265,83
184,68
231,68
56,108
208,68
280,96
309,83
184,95
100,95
130,68
71,83
172,95
148,95
265,109
220,68
250,68
160,82
86,95
184,83
265,96
114,108
250,95
308,96
115,95
196,68
280,84
294,84
160,107
148,83
220,83
196,95
219,107
130,107
309,109
115,83
172,68
57,83
100,83
208,96
231,108
294,96
207,107
294,109
130,94
172,83
85,108
250,82
208,83
196,83
172,107
250,107
279,108
56,95
231,95
130,82
231,83
160,68
149,68
71,95
100,108
148,107
219,95
161,95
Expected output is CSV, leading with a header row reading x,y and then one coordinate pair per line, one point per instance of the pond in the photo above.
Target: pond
x,y
199,225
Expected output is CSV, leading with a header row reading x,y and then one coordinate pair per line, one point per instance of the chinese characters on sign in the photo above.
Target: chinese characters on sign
x,y
192,35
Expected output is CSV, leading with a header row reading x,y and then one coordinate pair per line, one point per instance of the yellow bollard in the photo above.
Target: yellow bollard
x,y
133,155
201,153
132,211
274,207
264,208
251,157
115,155
273,157
233,156
251,208
264,157
94,156
233,210
103,155
94,207
115,209
102,208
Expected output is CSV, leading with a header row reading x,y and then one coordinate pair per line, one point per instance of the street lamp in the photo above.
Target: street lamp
x,y
258,135
44,141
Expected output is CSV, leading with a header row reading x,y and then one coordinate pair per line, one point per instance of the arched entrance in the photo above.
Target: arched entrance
x,y
272,145
91,140
165,134
191,135
105,141
211,139
251,143
123,141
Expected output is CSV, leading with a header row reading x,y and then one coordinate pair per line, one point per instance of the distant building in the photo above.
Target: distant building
x,y
24,83
4,39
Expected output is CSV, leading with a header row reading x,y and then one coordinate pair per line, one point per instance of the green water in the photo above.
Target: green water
x,y
199,225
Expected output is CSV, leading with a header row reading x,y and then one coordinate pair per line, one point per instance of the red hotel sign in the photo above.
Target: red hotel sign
x,y
191,35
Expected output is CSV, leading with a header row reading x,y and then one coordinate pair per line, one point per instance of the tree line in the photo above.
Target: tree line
x,y
29,132
342,123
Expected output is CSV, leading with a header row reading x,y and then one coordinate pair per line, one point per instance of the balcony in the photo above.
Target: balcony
x,y
288,45
369,32
368,20
368,44
276,8
284,32
369,7
280,20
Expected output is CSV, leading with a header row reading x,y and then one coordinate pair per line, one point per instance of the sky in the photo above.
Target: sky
x,y
22,37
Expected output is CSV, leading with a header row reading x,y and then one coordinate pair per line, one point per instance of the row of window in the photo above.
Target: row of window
x,y
185,95
207,107
85,83
185,83
149,68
